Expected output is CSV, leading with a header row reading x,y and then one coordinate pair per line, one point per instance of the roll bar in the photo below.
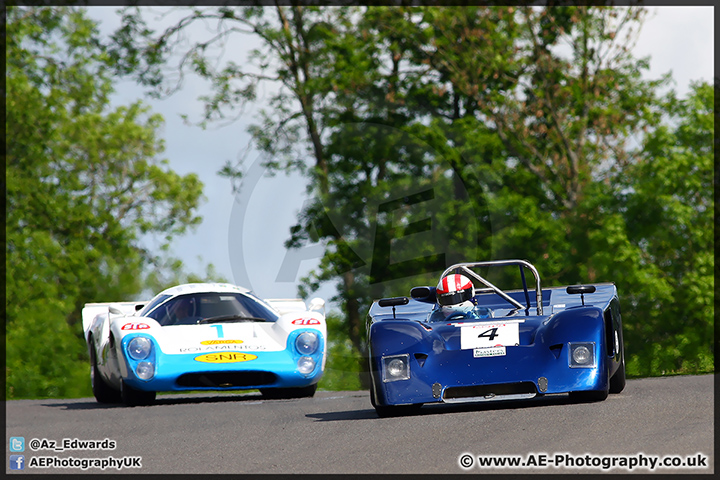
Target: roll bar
x,y
465,267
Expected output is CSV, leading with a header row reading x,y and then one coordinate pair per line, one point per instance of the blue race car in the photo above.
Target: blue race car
x,y
458,342
204,336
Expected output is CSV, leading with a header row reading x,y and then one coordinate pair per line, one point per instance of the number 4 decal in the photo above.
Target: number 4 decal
x,y
489,335
219,330
493,334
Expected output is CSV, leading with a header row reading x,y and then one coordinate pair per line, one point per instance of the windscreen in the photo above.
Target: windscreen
x,y
211,307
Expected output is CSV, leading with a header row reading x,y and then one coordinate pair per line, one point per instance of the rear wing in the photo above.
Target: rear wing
x,y
92,310
287,305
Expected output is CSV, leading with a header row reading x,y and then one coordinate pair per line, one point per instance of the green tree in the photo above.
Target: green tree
x,y
292,58
669,212
530,110
83,186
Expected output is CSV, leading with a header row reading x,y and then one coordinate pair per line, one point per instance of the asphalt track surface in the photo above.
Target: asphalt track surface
x,y
339,432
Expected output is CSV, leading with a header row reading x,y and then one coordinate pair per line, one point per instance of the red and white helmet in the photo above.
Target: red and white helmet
x,y
455,293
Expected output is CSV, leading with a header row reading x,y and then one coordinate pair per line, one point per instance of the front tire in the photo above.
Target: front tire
x,y
103,392
283,393
617,382
591,395
133,397
385,411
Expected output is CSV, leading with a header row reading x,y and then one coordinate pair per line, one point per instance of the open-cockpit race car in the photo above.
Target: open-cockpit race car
x,y
204,336
467,340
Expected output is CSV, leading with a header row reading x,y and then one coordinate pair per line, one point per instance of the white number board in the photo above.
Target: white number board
x,y
486,335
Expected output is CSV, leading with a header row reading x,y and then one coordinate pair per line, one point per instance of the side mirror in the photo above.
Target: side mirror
x,y
575,289
581,289
424,294
114,310
317,304
392,302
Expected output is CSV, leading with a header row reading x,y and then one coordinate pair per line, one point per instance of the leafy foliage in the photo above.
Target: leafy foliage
x,y
669,212
83,185
430,136
522,126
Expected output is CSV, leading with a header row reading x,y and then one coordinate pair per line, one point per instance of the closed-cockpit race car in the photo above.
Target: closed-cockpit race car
x,y
204,336
467,340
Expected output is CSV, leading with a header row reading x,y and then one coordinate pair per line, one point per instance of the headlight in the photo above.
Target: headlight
x,y
145,370
396,368
139,348
582,355
307,343
306,365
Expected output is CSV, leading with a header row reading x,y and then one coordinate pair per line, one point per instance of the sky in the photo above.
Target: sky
x,y
243,235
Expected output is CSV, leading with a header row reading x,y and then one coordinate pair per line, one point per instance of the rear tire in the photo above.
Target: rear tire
x,y
103,392
133,397
282,393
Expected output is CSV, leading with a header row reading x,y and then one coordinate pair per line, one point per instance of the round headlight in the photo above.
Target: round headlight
x,y
306,365
581,355
145,370
139,348
307,343
396,368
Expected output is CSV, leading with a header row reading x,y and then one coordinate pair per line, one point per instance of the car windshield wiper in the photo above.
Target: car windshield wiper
x,y
231,318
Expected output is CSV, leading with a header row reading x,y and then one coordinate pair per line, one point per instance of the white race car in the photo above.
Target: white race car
x,y
204,336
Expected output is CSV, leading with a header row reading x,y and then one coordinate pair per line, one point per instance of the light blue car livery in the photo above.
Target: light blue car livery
x,y
204,336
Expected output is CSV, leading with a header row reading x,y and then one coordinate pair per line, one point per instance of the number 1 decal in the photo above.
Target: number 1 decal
x,y
220,333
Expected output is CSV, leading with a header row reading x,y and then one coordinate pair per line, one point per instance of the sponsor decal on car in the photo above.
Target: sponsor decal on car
x,y
135,326
225,357
306,321
216,348
219,342
488,352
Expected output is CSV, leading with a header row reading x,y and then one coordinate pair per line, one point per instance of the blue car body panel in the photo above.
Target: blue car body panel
x,y
440,370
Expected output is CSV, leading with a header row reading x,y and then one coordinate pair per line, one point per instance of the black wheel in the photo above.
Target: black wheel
x,y
589,396
617,382
103,392
385,411
296,392
133,397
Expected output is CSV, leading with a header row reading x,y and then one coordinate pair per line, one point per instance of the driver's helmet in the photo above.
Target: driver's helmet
x,y
455,294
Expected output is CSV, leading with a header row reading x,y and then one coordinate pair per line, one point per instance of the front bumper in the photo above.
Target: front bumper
x,y
454,376
225,369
